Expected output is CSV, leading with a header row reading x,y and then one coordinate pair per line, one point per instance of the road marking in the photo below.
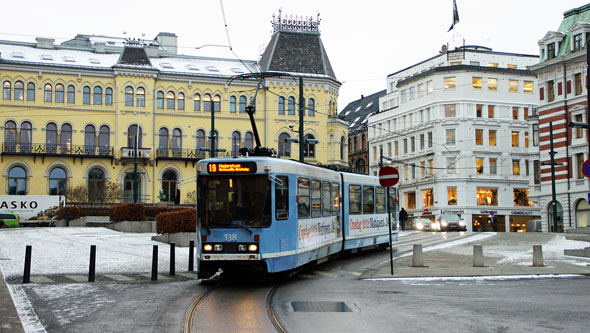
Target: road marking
x,y
41,279
77,278
326,274
118,277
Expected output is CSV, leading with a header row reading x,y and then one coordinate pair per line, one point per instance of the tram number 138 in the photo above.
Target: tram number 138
x,y
231,237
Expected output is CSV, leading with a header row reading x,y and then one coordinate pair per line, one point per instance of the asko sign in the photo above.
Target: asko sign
x,y
388,176
27,206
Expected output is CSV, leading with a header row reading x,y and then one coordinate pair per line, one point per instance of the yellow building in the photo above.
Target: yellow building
x,y
69,113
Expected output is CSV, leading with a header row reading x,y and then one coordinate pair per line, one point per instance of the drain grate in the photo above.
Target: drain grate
x,y
320,307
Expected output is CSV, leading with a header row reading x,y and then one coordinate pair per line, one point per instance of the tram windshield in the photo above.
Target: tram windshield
x,y
234,201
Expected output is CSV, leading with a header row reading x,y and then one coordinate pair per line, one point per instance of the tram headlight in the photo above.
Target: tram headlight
x,y
207,247
218,247
253,247
242,247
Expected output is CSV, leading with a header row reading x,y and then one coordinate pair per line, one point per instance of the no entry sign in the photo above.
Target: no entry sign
x,y
388,176
586,168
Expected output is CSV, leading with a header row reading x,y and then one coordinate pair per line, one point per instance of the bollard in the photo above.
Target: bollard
x,y
538,256
172,259
27,273
155,263
418,258
191,255
92,267
477,255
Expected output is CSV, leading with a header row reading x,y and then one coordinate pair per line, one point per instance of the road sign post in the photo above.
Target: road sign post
x,y
388,177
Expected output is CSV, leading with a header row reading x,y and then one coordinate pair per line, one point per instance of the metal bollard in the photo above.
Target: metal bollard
x,y
155,263
172,259
27,273
478,255
538,256
92,267
418,257
191,255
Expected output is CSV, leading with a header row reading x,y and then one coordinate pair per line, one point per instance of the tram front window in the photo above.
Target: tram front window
x,y
234,201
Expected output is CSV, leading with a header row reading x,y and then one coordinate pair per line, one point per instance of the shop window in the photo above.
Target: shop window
x,y
513,85
476,82
528,87
487,196
479,165
428,198
516,167
410,200
521,197
452,196
449,82
492,84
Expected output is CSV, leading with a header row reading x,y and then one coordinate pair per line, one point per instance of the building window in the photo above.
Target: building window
x,y
163,142
177,142
429,139
535,134
451,165
97,96
550,91
19,91
89,136
284,145
516,167
514,113
428,198
249,140
66,138
492,137
528,87
526,139
159,100
421,144
450,134
421,90
25,136
578,83
133,137
491,109
577,42
410,200
180,101
6,90
479,110
128,96
476,82
521,197
291,106
71,94
169,179
487,196
579,130
551,51
311,107
479,137
342,151
57,182
232,104
492,84
406,172
537,172
449,82
412,144
108,96
515,138
281,105
47,92
216,103
140,97
197,102
450,111
207,103
51,138
513,85
200,140
580,165
104,139
452,196
30,91
423,168
479,165
396,148
405,146
242,104
17,181
10,136
86,95
235,143
96,185
309,147
170,100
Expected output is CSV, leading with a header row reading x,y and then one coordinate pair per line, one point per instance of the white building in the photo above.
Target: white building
x,y
457,128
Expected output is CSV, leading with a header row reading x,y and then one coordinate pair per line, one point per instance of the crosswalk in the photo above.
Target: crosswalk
x,y
119,278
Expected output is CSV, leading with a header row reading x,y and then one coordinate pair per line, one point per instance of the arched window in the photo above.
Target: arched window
x,y
6,90
311,107
200,140
291,106
128,187
66,138
17,181
96,185
58,182
30,91
71,94
10,136
133,136
160,99
330,147
108,96
281,105
140,97
207,102
217,103
25,137
169,185
284,145
97,97
177,142
86,95
242,104
59,93
170,100
360,166
47,91
232,104
180,101
104,139
89,135
163,142
309,147
582,214
249,140
51,137
197,102
19,91
235,143
128,96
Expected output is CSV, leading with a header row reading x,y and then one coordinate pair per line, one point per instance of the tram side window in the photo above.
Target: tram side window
x,y
368,200
316,198
380,200
282,198
354,204
326,199
303,197
336,199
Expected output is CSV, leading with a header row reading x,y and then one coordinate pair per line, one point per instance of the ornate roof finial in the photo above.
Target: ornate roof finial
x,y
297,24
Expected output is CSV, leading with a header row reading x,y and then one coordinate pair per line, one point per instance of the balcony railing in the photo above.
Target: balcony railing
x,y
56,150
180,154
142,153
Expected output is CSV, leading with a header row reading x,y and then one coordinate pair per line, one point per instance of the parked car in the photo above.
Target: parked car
x,y
423,224
452,223
9,220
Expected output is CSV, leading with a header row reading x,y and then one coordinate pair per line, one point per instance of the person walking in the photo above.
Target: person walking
x,y
403,217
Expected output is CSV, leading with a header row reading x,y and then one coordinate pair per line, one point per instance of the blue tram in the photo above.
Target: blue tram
x,y
268,215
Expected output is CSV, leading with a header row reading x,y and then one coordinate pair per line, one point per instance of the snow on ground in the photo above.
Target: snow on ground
x,y
67,251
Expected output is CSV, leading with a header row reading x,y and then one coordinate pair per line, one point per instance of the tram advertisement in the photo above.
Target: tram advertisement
x,y
363,225
316,231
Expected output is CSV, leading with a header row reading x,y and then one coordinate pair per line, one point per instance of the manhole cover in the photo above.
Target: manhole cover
x,y
320,307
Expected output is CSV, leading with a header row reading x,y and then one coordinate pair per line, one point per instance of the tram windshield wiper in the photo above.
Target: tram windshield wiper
x,y
234,223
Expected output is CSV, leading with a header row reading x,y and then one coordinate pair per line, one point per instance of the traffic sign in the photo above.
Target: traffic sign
x,y
586,168
388,176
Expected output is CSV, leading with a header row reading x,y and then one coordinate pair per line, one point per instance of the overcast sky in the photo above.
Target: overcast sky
x,y
365,40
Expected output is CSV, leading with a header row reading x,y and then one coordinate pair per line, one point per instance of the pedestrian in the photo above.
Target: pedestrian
x,y
403,217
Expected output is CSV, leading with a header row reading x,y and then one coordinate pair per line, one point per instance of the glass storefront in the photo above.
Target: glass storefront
x,y
483,223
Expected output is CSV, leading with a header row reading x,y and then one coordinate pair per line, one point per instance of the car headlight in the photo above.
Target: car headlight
x,y
435,226
207,247
218,247
242,247
462,223
444,223
252,247
419,226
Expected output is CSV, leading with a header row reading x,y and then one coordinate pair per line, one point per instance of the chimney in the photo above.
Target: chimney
x,y
169,41
99,47
152,50
45,43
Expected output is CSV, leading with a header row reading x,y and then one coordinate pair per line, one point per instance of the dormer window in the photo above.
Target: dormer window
x,y
17,55
69,59
94,61
577,42
46,57
550,51
166,65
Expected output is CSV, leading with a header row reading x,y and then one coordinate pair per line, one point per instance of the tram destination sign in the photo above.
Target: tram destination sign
x,y
231,167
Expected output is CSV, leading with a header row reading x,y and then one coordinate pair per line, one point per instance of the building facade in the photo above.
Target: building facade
x,y
563,98
457,128
73,114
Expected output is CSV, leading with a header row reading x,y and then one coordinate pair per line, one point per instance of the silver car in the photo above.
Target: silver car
x,y
423,224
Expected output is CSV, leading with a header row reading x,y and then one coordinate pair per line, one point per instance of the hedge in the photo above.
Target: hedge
x,y
127,212
176,221
68,212
153,211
